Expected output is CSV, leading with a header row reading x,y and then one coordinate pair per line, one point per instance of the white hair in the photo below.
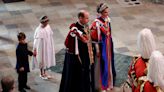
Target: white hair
x,y
156,69
146,43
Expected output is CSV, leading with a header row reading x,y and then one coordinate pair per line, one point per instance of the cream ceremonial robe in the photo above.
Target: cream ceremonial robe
x,y
44,46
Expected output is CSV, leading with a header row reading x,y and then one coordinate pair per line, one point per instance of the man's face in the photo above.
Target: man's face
x,y
84,20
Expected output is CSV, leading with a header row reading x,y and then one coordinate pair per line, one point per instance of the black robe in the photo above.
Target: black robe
x,y
84,55
76,75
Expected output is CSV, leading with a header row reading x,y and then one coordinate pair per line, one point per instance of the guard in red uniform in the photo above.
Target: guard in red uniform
x,y
154,81
138,67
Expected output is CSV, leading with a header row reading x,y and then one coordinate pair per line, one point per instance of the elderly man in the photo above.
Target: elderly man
x,y
76,72
44,46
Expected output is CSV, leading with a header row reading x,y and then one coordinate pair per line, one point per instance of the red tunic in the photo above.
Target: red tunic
x,y
148,87
137,69
70,39
70,42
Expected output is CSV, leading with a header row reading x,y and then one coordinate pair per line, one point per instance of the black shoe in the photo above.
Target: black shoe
x,y
27,87
22,90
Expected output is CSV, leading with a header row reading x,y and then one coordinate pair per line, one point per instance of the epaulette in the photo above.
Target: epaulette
x,y
135,59
133,73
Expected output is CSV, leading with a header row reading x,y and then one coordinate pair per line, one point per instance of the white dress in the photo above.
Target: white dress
x,y
44,46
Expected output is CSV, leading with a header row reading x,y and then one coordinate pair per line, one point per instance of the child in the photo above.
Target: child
x,y
22,65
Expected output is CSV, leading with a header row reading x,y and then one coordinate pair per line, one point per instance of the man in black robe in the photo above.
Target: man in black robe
x,y
76,71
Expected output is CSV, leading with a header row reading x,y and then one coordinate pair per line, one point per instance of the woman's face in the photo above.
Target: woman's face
x,y
105,13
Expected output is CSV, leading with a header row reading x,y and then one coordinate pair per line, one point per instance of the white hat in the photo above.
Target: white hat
x,y
146,43
156,69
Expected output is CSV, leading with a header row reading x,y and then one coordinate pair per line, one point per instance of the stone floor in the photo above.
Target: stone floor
x,y
128,19
122,62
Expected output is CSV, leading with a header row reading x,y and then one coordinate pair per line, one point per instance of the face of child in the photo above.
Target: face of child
x,y
44,24
22,40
